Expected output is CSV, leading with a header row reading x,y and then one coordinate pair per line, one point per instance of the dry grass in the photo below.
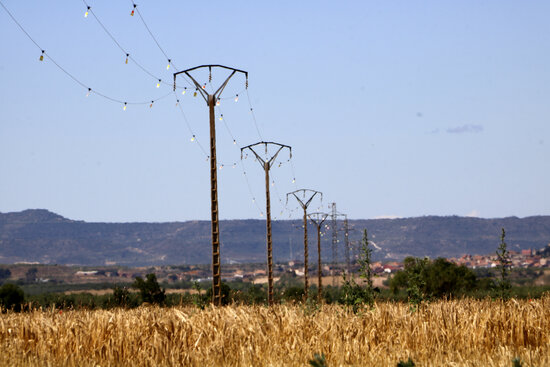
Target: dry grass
x,y
446,333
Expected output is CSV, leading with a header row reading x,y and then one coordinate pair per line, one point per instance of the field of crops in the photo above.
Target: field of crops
x,y
444,333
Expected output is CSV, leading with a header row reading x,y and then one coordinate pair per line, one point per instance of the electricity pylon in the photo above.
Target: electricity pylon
x,y
266,165
304,204
318,219
334,218
211,100
346,243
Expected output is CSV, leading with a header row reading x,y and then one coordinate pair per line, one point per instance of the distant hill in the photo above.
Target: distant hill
x,y
45,237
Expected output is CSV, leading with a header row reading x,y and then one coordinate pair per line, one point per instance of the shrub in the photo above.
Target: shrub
x,y
503,285
225,290
353,294
11,297
439,278
150,290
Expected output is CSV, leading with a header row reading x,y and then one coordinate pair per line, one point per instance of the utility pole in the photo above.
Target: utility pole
x,y
266,165
211,100
334,217
347,249
318,219
304,203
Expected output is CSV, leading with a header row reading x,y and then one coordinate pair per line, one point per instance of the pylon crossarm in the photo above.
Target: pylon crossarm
x,y
270,162
312,196
198,87
302,204
318,218
222,87
258,157
266,143
213,66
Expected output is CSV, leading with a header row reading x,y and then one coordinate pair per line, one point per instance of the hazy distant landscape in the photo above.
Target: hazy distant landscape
x,y
45,237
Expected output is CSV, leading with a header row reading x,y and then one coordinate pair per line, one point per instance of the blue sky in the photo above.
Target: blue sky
x,y
401,108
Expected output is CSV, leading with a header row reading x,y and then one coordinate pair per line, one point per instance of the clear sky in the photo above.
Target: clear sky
x,y
392,108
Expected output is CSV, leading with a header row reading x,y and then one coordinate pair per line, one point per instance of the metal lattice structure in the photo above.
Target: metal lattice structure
x,y
210,100
334,218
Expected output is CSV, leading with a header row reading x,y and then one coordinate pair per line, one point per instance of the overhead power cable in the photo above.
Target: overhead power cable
x,y
168,59
89,90
122,49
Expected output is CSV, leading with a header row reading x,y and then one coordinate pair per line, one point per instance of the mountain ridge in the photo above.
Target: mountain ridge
x,y
38,235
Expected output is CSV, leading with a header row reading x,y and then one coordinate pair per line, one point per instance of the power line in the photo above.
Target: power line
x,y
71,75
253,115
170,62
124,51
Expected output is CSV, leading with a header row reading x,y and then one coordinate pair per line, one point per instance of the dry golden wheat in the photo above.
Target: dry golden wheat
x,y
446,333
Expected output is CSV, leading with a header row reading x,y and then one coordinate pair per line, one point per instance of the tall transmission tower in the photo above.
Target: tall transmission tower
x,y
334,218
211,100
304,203
266,165
347,244
318,219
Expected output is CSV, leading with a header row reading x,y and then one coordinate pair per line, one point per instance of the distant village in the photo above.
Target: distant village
x,y
256,273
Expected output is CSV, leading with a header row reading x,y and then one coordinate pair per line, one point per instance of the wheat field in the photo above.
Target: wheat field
x,y
444,333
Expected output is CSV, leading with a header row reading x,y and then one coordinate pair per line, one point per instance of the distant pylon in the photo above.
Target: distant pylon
x,y
318,219
334,218
304,203
266,165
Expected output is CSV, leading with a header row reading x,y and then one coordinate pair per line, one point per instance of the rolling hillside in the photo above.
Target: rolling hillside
x,y
42,236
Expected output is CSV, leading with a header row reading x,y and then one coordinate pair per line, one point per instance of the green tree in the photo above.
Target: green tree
x,y
425,279
443,279
121,296
225,292
4,274
150,290
11,297
353,294
503,285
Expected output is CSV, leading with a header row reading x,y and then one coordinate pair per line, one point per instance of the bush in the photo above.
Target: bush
x,y
439,278
226,290
11,297
354,295
4,274
150,290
